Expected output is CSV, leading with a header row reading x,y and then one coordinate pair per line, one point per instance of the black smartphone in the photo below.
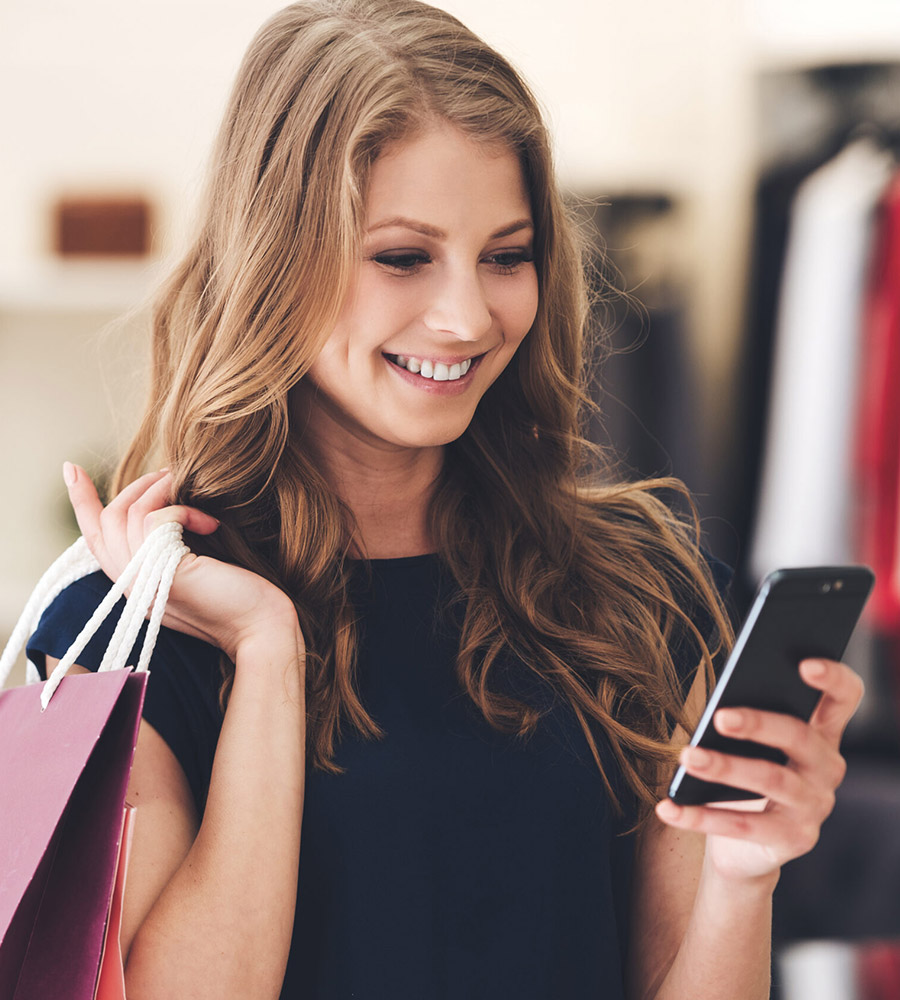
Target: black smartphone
x,y
796,614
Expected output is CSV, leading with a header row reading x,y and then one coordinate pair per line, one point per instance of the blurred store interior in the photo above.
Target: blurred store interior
x,y
738,163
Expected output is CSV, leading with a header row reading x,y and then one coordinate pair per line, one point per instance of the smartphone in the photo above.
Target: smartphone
x,y
796,614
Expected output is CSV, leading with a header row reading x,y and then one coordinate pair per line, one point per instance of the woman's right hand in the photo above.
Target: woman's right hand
x,y
222,604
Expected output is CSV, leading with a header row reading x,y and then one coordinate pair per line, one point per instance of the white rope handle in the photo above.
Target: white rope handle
x,y
151,571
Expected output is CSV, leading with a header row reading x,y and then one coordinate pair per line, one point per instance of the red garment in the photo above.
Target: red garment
x,y
879,971
878,447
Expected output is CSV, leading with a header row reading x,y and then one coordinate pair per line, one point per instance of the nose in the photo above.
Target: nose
x,y
459,307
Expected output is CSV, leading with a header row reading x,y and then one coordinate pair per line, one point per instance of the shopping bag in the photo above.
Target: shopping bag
x,y
65,772
111,982
66,748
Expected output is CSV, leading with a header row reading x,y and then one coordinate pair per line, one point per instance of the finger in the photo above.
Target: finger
x,y
157,495
773,829
807,749
190,518
153,508
87,506
764,777
127,496
842,691
773,729
114,519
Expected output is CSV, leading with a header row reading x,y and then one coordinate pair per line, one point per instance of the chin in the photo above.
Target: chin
x,y
435,439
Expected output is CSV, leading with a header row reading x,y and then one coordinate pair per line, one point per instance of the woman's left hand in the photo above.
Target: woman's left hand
x,y
748,845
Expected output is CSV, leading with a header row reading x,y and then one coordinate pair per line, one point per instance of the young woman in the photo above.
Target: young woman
x,y
424,678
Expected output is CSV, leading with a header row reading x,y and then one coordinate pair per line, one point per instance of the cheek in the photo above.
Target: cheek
x,y
519,308
331,357
384,307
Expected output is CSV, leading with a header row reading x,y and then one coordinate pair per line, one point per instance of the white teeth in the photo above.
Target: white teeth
x,y
436,370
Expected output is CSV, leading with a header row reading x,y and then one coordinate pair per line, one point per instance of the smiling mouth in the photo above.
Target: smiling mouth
x,y
436,371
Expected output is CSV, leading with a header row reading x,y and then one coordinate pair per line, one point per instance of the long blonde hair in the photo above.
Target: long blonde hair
x,y
588,585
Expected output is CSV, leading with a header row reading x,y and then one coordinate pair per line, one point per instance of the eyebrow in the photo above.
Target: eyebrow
x,y
426,230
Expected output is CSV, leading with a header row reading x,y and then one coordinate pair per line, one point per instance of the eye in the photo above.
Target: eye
x,y
508,261
403,261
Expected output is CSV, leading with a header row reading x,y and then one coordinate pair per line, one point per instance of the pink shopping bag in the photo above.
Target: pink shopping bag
x,y
111,983
66,749
63,779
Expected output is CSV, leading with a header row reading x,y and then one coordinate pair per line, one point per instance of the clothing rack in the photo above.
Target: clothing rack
x,y
845,890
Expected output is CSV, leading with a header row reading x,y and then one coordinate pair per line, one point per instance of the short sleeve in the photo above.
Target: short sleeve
x,y
182,702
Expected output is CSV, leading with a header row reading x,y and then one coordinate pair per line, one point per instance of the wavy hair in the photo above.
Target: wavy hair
x,y
588,583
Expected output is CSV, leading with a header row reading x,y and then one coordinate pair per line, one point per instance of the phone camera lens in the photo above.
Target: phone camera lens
x,y
826,587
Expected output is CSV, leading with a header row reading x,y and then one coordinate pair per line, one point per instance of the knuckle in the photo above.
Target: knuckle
x,y
741,824
776,777
808,837
839,770
826,803
94,539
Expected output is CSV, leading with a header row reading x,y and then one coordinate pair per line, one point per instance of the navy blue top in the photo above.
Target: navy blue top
x,y
449,861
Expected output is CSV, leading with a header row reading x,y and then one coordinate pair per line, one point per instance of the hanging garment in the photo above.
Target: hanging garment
x,y
878,446
775,194
803,513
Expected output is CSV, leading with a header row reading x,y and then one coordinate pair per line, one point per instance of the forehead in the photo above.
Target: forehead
x,y
448,180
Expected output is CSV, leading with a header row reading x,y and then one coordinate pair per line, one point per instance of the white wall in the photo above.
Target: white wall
x,y
112,94
128,95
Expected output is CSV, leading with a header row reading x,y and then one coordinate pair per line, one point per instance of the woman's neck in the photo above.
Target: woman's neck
x,y
387,488
389,494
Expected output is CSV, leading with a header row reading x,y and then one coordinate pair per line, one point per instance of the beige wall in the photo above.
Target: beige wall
x,y
105,94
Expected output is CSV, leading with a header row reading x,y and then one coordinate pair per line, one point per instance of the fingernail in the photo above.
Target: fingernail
x,y
70,474
729,718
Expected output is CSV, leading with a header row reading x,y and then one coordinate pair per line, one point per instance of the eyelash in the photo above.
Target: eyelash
x,y
410,263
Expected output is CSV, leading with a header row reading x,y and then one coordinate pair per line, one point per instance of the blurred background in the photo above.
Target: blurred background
x,y
737,162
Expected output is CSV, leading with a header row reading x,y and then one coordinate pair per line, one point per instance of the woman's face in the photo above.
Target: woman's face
x,y
445,291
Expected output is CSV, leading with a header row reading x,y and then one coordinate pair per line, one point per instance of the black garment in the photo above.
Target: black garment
x,y
449,861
